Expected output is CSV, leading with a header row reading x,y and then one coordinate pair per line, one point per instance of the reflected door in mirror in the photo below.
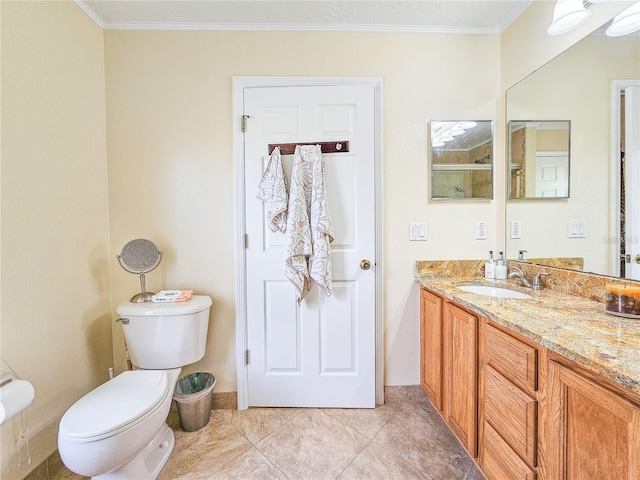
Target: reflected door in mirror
x,y
539,159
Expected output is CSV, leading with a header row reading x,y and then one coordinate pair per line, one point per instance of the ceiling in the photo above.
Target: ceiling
x,y
419,16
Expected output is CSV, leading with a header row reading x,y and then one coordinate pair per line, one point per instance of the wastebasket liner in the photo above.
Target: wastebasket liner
x,y
194,387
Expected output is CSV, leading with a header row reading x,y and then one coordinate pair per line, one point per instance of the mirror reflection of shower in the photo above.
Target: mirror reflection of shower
x,y
461,159
460,189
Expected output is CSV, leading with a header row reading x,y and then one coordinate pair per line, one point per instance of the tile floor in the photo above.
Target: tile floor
x,y
403,439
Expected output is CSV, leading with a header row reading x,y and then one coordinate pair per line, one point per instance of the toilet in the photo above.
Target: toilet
x,y
119,429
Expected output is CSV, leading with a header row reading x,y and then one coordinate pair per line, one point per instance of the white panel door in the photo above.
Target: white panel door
x,y
632,181
320,353
552,174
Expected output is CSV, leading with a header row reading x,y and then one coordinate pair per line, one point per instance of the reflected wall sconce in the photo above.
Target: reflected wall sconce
x,y
444,132
568,15
626,22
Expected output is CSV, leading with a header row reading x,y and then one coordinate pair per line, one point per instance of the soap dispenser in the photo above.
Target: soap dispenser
x,y
501,268
489,266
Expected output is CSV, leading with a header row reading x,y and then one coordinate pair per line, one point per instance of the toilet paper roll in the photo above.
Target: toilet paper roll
x,y
14,397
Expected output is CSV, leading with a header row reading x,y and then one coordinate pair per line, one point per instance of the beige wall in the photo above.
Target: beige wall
x,y
170,177
525,45
587,103
171,158
56,329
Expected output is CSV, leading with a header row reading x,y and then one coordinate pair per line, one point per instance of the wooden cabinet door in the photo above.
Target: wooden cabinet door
x,y
431,346
460,368
590,432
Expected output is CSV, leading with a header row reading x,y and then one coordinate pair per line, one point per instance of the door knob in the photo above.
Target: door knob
x,y
365,264
638,259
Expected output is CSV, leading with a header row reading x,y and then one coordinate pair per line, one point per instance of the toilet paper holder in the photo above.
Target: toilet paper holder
x,y
15,395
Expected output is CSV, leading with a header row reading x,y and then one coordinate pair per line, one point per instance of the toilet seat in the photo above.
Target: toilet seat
x,y
116,405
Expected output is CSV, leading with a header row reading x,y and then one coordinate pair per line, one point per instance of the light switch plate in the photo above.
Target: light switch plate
x,y
417,231
577,229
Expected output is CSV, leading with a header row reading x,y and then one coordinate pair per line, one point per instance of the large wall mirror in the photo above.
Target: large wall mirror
x,y
539,159
461,159
592,86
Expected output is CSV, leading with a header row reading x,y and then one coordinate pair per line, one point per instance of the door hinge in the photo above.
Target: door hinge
x,y
243,123
247,357
246,240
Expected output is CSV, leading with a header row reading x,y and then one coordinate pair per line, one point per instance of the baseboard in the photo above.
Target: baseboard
x,y
225,401
47,469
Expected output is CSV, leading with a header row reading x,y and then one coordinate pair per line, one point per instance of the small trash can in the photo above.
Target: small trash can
x,y
193,395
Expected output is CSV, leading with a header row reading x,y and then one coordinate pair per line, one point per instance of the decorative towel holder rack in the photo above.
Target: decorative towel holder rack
x,y
327,147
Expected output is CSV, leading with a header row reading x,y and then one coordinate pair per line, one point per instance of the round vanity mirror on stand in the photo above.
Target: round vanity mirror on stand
x,y
140,256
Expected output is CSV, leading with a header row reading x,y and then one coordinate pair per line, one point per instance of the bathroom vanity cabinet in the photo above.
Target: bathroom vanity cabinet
x,y
528,413
460,379
431,346
508,405
589,428
449,364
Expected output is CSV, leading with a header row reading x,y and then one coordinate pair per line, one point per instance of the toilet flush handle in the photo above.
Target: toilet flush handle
x,y
125,321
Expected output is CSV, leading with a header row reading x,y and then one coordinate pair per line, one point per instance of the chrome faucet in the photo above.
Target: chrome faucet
x,y
519,275
522,280
536,280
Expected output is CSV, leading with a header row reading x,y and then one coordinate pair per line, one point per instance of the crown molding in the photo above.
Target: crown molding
x,y
90,13
302,28
284,27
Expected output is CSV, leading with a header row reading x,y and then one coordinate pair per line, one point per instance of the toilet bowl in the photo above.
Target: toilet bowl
x,y
119,430
114,423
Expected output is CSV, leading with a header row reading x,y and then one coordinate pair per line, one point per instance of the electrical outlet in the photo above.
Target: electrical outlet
x,y
481,230
417,231
516,229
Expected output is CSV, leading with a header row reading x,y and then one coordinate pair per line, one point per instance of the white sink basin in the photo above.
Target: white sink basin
x,y
495,292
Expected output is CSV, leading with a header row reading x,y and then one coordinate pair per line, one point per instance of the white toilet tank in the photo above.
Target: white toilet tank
x,y
167,335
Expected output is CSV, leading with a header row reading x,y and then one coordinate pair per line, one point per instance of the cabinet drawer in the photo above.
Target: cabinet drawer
x,y
500,462
514,359
512,413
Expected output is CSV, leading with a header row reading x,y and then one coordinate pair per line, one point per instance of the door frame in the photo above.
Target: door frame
x,y
617,87
239,84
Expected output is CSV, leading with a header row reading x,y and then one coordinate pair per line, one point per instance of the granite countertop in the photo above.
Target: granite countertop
x,y
577,328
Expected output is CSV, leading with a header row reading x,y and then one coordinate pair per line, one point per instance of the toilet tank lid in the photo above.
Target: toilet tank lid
x,y
115,404
197,303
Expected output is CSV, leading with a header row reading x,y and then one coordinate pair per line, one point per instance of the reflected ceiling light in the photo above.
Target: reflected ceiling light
x,y
445,138
456,132
567,15
467,125
626,22
437,144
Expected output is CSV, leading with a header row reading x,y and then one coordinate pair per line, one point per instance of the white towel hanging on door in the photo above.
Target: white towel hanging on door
x,y
272,190
309,228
